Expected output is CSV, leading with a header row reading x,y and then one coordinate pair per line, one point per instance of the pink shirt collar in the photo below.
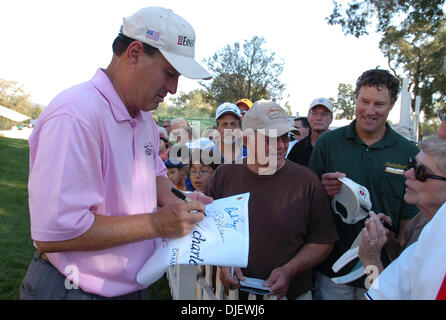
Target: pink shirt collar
x,y
104,85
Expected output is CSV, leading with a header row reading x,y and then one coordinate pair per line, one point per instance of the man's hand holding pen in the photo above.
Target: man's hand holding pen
x,y
178,219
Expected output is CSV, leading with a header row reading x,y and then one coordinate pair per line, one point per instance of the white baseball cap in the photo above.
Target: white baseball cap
x,y
227,107
322,102
267,114
173,36
352,197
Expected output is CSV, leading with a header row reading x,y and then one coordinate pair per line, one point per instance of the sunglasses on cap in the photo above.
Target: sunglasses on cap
x,y
421,171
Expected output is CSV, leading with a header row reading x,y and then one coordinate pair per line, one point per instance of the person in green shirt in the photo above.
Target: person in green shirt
x,y
367,151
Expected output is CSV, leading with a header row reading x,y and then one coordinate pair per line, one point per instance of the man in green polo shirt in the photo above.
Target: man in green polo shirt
x,y
363,151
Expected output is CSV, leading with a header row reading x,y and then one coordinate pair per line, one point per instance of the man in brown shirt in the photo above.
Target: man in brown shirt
x,y
290,222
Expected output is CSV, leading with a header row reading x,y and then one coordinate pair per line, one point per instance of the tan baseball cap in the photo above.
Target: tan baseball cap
x,y
268,115
173,36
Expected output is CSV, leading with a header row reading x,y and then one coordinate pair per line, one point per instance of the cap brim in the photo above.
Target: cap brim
x,y
281,130
323,105
231,112
186,66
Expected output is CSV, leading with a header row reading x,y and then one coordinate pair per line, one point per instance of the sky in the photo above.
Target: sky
x,y
48,45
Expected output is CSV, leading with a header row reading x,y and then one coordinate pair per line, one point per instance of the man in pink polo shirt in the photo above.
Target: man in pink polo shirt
x,y
98,192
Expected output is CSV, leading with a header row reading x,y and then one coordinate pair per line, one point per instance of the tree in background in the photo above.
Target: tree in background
x,y
13,96
192,104
413,41
344,105
251,72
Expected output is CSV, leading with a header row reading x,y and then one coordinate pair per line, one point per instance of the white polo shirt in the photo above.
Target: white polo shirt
x,y
87,155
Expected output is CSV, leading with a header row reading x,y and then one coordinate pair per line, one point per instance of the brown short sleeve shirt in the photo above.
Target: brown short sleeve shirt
x,y
286,211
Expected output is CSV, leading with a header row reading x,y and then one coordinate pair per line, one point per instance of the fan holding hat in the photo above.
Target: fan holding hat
x,y
99,195
369,152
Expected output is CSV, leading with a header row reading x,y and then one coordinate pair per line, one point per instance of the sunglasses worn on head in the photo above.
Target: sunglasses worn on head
x,y
421,171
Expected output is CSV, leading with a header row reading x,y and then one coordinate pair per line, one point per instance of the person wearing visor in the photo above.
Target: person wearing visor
x,y
244,105
369,152
290,224
99,195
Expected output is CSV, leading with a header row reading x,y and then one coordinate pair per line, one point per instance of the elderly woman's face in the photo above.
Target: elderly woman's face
x,y
428,195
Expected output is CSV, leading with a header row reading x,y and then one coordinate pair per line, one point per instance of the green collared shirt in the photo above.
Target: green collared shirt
x,y
343,151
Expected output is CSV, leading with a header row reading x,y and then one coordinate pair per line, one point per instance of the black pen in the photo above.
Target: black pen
x,y
385,224
181,195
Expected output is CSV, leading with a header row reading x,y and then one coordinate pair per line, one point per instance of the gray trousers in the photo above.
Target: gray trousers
x,y
325,289
44,282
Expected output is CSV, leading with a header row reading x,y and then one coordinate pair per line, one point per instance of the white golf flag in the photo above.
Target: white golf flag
x,y
221,239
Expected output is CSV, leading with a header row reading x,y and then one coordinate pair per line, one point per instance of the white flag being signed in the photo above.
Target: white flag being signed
x,y
221,239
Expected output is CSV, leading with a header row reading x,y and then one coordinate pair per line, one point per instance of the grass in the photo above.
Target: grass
x,y
16,247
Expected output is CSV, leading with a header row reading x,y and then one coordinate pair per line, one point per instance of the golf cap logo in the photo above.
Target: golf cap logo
x,y
185,41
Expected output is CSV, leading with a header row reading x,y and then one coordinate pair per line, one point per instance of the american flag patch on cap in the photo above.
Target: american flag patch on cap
x,y
152,35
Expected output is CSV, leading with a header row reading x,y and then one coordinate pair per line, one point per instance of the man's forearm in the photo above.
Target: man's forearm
x,y
309,256
111,231
164,194
105,232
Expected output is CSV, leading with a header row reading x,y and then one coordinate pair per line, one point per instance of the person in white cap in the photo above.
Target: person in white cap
x,y
96,180
228,144
290,228
320,116
368,151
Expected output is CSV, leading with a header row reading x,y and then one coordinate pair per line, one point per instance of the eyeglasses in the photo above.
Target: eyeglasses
x,y
200,172
421,171
285,138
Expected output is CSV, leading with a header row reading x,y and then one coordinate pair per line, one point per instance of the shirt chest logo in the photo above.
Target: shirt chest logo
x,y
148,149
395,168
